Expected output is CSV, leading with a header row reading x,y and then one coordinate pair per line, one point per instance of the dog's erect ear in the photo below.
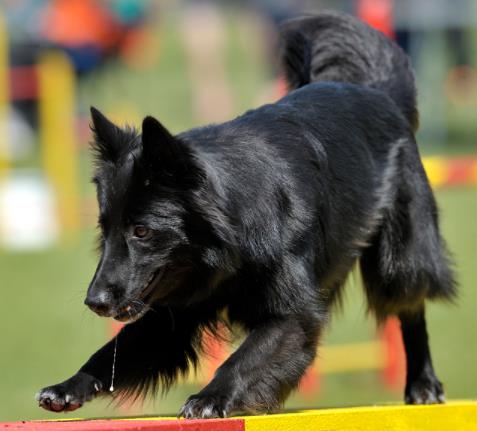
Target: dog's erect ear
x,y
158,144
107,136
164,151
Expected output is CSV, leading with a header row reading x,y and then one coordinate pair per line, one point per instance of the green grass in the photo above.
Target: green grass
x,y
47,333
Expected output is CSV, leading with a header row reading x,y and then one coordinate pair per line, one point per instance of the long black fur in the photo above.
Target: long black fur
x,y
337,48
258,221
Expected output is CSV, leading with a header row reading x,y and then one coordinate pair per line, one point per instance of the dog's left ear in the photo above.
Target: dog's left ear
x,y
164,151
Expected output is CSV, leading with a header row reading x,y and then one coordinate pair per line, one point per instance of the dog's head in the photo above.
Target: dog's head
x,y
151,237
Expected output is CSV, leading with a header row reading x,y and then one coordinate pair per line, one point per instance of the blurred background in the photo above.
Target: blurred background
x,y
189,63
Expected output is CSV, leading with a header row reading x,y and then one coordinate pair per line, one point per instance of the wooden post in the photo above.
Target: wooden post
x,y
57,135
4,101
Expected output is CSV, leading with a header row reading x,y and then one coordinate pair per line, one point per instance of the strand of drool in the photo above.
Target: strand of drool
x,y
111,388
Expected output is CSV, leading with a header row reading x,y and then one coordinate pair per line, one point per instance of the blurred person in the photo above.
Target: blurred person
x,y
88,31
271,13
85,29
414,24
204,33
91,31
22,19
454,19
137,45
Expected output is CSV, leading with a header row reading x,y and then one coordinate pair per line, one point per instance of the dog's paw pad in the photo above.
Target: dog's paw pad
x,y
425,391
204,407
56,399
69,395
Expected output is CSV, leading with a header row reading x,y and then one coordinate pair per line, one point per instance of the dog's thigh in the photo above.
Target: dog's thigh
x,y
407,261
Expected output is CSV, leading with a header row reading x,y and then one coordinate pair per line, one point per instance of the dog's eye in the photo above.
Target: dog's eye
x,y
141,232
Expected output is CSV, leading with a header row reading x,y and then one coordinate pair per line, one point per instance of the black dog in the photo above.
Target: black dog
x,y
258,221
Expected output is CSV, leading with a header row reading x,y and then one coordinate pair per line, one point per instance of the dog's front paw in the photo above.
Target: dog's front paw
x,y
426,390
69,395
205,406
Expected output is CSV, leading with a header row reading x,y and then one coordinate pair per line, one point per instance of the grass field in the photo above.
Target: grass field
x,y
46,332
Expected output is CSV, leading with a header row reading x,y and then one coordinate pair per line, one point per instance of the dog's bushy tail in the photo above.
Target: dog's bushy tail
x,y
337,47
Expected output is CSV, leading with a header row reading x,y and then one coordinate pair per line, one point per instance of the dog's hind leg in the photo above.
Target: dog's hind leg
x,y
422,385
406,264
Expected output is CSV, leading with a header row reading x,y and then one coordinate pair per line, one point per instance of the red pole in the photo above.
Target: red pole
x,y
310,383
378,14
394,371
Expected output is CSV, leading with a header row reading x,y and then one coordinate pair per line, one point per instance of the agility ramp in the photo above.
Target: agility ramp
x,y
453,416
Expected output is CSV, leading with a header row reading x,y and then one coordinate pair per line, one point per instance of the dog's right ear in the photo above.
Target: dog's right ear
x,y
157,142
165,152
107,136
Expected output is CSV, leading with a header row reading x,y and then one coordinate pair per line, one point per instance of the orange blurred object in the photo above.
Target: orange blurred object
x,y
395,370
378,14
310,383
217,351
78,23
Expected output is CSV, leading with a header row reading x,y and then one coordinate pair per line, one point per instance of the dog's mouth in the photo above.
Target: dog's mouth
x,y
136,308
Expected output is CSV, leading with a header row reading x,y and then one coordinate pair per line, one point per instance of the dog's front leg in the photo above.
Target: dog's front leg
x,y
160,344
94,377
91,380
261,373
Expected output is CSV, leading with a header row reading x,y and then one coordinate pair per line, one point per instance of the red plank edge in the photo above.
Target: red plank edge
x,y
127,425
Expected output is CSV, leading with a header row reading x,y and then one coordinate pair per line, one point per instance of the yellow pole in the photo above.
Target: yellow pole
x,y
4,100
57,135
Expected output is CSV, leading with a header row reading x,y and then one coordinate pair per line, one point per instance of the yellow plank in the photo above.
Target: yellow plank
x,y
453,416
456,416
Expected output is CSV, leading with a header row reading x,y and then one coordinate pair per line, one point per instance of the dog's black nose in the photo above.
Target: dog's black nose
x,y
100,303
